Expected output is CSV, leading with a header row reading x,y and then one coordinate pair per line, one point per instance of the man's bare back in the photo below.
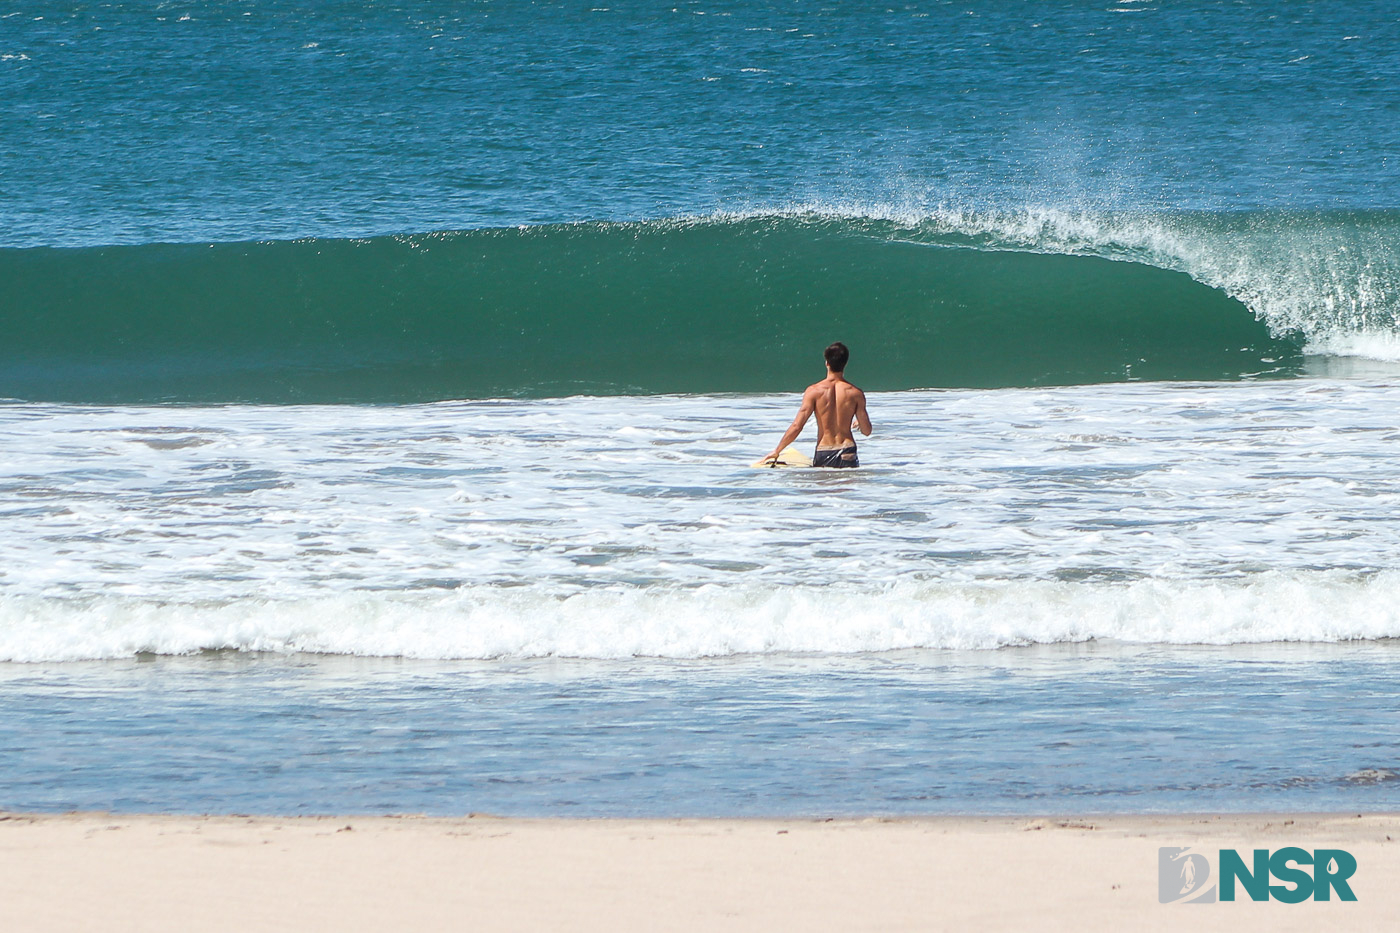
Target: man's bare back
x,y
839,407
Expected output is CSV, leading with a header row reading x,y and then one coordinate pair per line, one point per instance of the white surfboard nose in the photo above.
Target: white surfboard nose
x,y
787,457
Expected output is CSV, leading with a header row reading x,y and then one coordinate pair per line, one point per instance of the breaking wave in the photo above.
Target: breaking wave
x,y
715,621
712,304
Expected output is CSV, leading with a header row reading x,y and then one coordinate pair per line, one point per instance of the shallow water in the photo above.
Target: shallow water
x,y
1062,729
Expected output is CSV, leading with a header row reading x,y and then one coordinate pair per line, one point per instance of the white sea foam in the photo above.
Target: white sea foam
x,y
604,527
710,621
1383,345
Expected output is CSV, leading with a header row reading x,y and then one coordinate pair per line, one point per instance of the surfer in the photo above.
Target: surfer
x,y
839,407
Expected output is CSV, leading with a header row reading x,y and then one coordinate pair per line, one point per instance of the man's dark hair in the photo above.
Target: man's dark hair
x,y
836,357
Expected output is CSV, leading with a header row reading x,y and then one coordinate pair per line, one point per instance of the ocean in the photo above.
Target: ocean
x,y
380,384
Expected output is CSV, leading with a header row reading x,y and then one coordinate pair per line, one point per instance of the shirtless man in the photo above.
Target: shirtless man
x,y
840,406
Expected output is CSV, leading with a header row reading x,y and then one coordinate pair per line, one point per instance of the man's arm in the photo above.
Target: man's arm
x,y
862,419
798,423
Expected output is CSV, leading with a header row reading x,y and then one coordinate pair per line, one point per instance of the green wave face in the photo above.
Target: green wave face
x,y
709,306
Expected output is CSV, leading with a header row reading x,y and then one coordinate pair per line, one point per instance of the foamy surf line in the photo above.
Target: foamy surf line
x,y
715,621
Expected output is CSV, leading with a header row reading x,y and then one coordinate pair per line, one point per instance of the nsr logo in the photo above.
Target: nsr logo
x,y
1184,876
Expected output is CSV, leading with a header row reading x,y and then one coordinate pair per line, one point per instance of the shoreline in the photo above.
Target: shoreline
x,y
162,872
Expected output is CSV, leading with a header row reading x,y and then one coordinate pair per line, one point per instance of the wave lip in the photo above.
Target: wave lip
x,y
716,621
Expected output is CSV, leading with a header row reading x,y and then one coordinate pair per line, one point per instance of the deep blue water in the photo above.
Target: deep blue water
x,y
252,119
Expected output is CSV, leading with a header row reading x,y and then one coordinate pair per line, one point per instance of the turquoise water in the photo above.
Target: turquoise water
x,y
667,197
379,383
602,309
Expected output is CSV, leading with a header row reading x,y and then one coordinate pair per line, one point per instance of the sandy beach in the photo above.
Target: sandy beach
x,y
158,873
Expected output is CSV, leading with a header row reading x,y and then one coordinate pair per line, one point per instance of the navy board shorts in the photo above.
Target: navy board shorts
x,y
838,457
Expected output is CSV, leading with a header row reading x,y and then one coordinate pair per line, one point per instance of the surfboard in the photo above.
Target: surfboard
x,y
788,457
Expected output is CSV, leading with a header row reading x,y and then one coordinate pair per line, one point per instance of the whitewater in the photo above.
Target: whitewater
x,y
604,528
